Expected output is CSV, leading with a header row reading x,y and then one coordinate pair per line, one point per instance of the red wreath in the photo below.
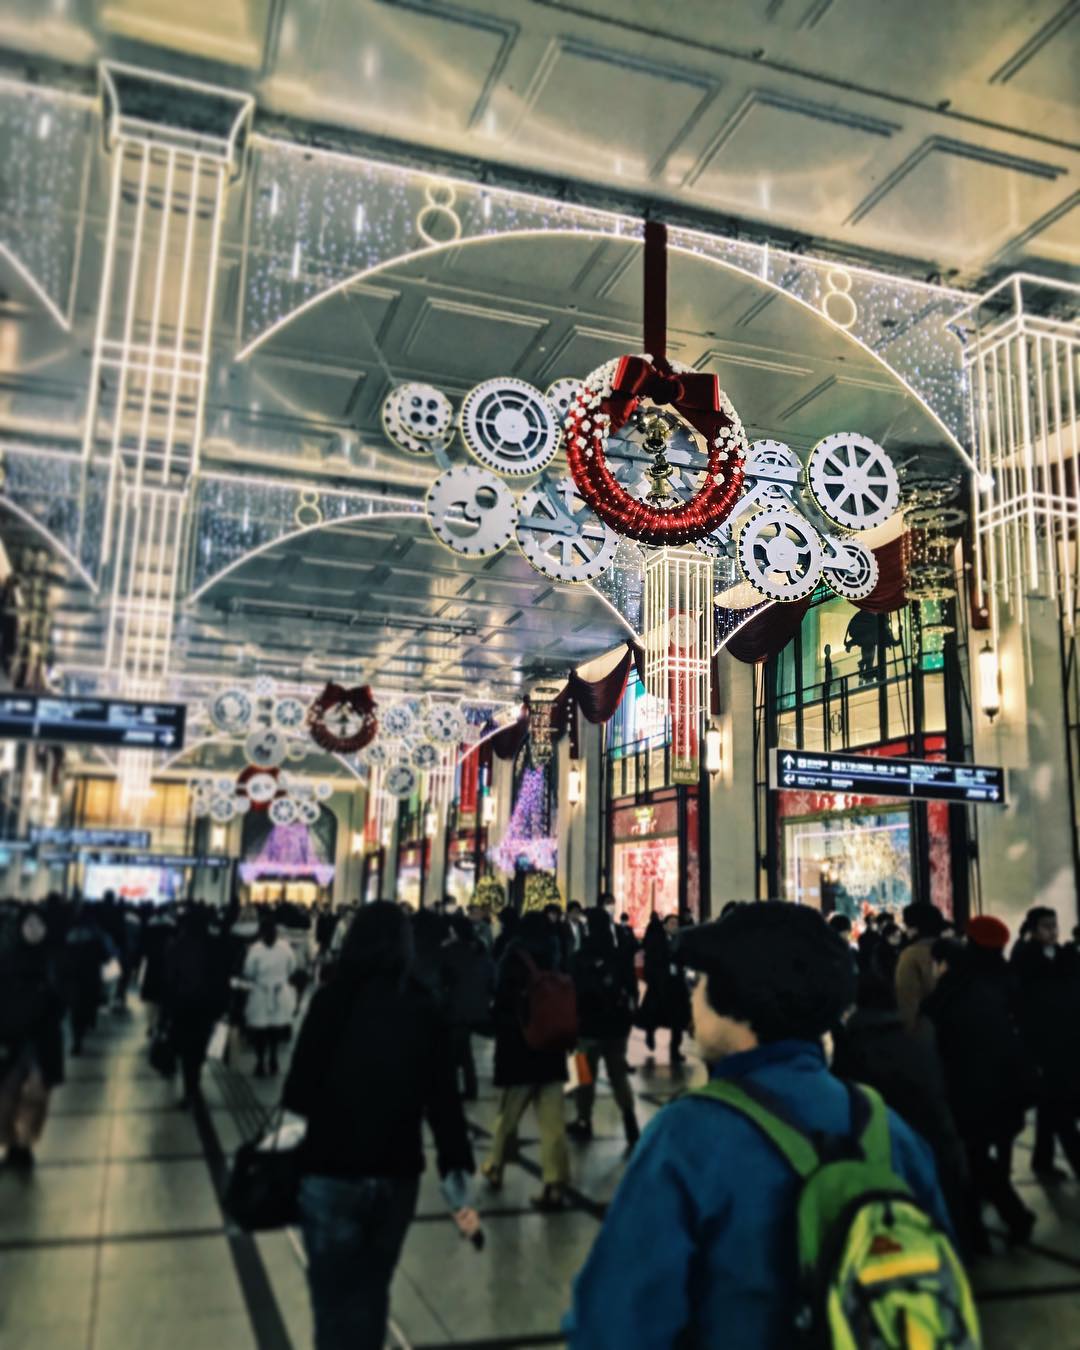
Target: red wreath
x,y
358,700
698,400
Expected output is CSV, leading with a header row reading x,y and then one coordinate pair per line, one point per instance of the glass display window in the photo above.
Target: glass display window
x,y
849,862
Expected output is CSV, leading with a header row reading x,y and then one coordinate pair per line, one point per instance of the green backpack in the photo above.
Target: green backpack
x,y
877,1273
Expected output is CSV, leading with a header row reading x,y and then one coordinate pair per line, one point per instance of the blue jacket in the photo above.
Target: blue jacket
x,y
699,1241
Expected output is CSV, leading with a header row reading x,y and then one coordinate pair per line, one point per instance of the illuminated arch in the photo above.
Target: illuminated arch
x,y
50,539
174,760
52,308
364,274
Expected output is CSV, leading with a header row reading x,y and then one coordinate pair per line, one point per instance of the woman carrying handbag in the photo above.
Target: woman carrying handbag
x,y
371,1062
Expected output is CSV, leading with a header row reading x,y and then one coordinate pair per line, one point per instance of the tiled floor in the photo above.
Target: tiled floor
x,y
118,1242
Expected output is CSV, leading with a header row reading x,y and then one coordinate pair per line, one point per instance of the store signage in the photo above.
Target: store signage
x,y
70,837
213,861
885,776
92,721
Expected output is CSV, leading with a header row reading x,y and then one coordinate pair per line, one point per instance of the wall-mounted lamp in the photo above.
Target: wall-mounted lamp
x,y
218,838
714,749
431,823
488,810
357,842
989,682
575,786
387,835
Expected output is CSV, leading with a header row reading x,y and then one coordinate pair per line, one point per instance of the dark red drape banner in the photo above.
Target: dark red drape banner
x,y
506,743
774,628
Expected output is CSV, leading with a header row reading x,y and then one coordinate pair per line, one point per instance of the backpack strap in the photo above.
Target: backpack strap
x,y
870,1124
794,1143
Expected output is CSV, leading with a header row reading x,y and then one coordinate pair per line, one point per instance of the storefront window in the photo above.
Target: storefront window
x,y
645,860
849,862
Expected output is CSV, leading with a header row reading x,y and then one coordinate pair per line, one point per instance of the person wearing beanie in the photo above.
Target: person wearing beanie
x,y
698,1246
1048,981
923,924
988,1074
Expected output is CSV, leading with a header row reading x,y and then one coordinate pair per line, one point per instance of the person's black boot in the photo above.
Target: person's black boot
x,y
633,1131
20,1158
650,1040
581,1130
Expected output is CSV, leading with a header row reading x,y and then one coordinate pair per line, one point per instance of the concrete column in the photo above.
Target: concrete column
x,y
1026,847
435,876
578,827
733,866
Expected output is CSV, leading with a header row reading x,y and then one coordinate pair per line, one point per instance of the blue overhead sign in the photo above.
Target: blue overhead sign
x,y
886,776
92,721
76,837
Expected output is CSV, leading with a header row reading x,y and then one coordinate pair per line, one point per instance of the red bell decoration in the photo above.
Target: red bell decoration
x,y
612,394
343,720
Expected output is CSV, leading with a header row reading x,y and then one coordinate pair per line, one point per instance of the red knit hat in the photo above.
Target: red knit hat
x,y
986,931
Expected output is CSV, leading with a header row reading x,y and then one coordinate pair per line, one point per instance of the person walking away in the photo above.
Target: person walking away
x,y
990,1080
524,1074
667,1000
81,960
467,976
1048,979
196,996
915,977
31,1038
271,999
605,1013
699,1244
371,1062
159,934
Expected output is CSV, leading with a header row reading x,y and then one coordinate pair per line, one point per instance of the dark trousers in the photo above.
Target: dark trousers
x,y
1055,1121
461,1056
353,1233
990,1161
265,1043
191,1035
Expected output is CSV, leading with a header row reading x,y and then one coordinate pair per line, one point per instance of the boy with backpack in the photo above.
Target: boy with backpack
x,y
777,1207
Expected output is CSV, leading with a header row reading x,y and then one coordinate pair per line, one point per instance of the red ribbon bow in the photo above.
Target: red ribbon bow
x,y
694,395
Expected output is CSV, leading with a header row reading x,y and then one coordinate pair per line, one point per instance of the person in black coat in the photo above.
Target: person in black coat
x,y
526,1075
467,981
80,961
371,1062
1048,979
31,1037
873,1047
990,1081
667,999
605,998
196,996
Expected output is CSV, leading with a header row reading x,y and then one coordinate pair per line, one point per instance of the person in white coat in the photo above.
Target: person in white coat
x,y
272,1000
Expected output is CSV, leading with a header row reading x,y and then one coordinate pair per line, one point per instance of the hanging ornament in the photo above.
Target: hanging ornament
x,y
471,511
265,748
230,711
677,604
560,394
610,398
425,756
853,481
444,724
282,811
542,698
418,418
323,791
343,720
780,554
261,788
400,780
296,750
264,686
399,719
509,426
289,713
854,573
308,812
561,536
222,809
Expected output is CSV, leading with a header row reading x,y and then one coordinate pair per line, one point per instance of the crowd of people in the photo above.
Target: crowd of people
x,y
960,1040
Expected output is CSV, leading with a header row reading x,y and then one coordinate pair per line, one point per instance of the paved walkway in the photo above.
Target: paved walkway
x,y
118,1242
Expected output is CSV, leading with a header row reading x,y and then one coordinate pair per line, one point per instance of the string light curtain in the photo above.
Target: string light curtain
x,y
678,606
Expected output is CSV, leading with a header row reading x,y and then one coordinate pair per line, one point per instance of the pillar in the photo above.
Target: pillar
x,y
733,866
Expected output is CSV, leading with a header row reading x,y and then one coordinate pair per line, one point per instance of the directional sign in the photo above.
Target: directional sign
x,y
88,838
885,776
92,721
214,861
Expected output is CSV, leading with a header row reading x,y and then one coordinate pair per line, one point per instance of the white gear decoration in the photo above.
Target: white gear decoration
x,y
289,713
200,806
374,755
323,792
296,750
400,780
222,786
425,756
398,720
282,811
261,788
471,511
264,686
444,724
242,804
776,468
853,481
780,554
266,748
560,535
230,711
509,426
308,812
560,394
222,808
417,418
858,578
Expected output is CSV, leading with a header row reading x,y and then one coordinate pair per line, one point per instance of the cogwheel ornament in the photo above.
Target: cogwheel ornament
x,y
560,535
853,481
560,395
444,724
398,720
400,780
858,577
282,811
289,713
418,418
471,511
266,748
780,554
230,711
425,756
509,426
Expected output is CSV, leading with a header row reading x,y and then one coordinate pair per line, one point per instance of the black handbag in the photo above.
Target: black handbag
x,y
163,1054
264,1186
